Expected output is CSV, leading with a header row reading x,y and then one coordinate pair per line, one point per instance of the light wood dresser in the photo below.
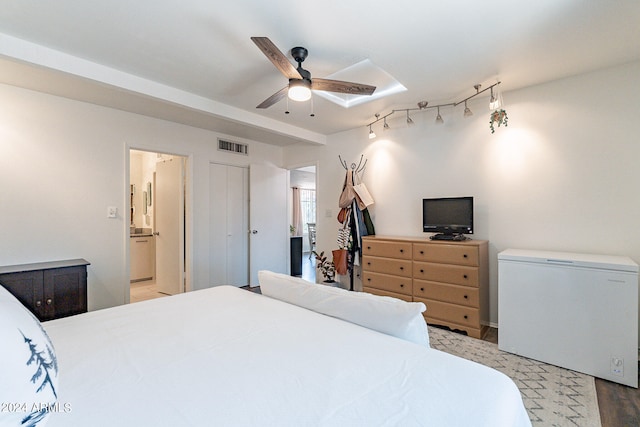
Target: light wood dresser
x,y
450,278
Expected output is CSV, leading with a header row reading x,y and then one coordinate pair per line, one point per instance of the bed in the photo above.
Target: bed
x,y
225,356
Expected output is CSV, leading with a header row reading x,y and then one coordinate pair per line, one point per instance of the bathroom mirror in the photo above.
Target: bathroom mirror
x,y
145,202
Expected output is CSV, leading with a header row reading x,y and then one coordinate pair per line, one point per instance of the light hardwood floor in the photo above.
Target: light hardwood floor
x,y
619,405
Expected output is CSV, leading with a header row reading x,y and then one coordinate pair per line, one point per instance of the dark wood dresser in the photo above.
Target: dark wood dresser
x,y
50,290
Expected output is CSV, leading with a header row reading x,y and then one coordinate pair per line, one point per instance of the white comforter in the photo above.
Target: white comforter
x,y
228,357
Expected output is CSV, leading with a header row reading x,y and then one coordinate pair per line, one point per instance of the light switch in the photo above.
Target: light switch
x,y
112,212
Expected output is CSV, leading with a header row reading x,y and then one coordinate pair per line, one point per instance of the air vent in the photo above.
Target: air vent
x,y
234,147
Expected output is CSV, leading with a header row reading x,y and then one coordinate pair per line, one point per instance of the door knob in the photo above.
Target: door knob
x,y
253,231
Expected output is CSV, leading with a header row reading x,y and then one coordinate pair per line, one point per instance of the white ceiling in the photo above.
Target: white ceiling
x,y
193,61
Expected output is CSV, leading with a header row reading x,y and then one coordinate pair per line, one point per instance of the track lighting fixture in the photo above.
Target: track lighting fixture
x,y
467,110
495,103
409,121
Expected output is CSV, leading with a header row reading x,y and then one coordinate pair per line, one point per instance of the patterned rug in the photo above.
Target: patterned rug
x,y
553,396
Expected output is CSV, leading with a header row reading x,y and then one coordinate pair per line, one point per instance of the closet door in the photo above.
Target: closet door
x,y
228,238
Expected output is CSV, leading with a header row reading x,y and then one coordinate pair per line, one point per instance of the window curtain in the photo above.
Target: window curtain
x,y
296,217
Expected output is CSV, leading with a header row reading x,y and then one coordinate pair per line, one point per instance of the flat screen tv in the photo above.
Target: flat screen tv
x,y
450,217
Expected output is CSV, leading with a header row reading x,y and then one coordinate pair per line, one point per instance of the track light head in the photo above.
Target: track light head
x,y
495,102
409,121
467,110
371,133
385,126
439,118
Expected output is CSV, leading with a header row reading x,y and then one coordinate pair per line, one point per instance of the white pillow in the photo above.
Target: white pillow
x,y
388,315
28,366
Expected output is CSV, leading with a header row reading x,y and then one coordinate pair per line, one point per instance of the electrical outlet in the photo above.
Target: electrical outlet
x,y
617,366
112,212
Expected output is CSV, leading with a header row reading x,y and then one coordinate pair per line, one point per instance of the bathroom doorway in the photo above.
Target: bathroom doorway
x,y
157,225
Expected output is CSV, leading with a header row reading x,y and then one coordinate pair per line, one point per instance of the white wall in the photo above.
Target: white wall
x,y
562,176
62,162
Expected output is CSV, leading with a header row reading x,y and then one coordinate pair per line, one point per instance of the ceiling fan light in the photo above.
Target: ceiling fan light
x,y
299,90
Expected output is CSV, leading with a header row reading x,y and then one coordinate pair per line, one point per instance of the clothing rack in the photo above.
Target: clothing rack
x,y
357,169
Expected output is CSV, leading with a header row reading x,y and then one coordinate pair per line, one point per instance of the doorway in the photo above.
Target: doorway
x,y
157,225
303,216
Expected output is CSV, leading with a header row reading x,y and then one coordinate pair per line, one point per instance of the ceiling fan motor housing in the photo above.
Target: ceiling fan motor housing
x,y
299,54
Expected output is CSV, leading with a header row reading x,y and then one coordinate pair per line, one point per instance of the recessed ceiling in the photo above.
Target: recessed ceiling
x,y
366,72
193,61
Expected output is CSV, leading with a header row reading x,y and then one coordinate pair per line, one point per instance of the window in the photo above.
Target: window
x,y
308,207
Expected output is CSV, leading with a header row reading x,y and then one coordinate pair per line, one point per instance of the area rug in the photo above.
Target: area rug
x,y
553,396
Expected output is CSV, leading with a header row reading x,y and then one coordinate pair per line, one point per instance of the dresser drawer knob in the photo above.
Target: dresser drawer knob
x,y
465,276
368,262
421,252
466,297
421,270
369,279
421,289
466,317
401,268
369,247
465,256
38,303
401,251
49,301
402,285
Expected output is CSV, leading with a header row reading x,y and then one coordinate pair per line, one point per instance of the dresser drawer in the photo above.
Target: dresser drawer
x,y
398,267
448,254
457,274
382,293
387,282
455,294
460,315
401,250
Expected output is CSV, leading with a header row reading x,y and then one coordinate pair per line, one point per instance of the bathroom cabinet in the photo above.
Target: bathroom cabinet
x,y
50,290
143,258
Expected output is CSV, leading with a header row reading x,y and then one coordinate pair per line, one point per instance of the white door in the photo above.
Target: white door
x,y
229,222
269,231
169,226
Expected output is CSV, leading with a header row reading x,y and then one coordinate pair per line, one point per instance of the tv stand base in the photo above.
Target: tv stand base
x,y
453,237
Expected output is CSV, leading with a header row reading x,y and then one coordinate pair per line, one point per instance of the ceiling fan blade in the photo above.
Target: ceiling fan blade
x,y
342,87
274,98
277,57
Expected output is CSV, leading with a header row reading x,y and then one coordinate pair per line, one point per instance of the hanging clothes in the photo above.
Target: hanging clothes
x,y
348,193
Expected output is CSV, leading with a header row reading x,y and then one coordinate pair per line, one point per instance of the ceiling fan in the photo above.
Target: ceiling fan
x,y
300,82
